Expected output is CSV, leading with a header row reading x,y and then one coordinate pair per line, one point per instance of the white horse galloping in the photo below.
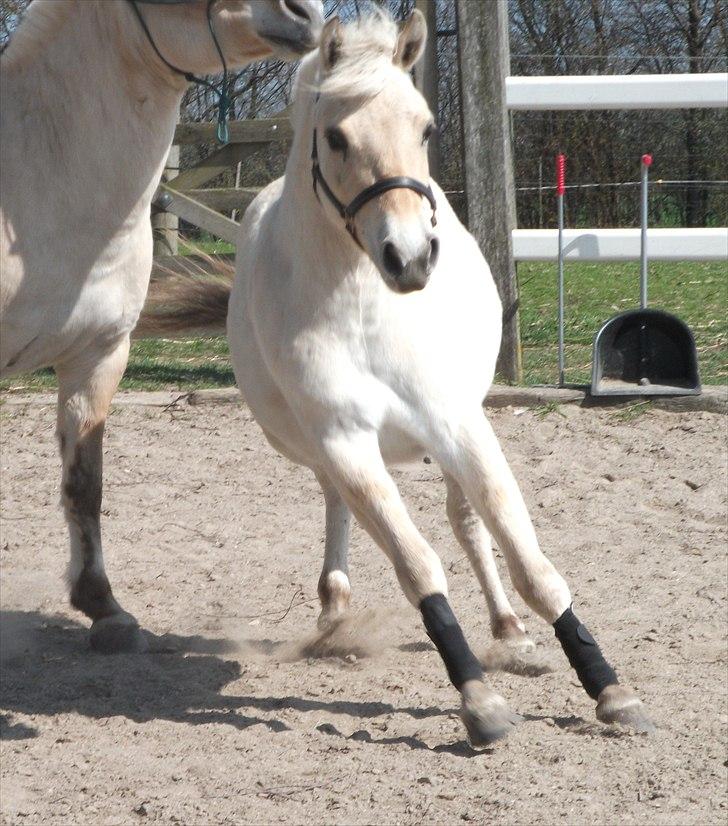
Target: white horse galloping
x,y
363,335
90,98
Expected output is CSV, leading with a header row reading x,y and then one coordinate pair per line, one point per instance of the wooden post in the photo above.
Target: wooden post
x,y
484,65
165,225
426,77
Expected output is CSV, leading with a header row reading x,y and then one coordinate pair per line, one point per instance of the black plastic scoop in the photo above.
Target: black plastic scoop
x,y
645,352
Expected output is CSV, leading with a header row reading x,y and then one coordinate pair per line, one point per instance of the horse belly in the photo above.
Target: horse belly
x,y
50,316
37,333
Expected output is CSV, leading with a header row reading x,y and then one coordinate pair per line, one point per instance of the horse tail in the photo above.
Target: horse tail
x,y
191,299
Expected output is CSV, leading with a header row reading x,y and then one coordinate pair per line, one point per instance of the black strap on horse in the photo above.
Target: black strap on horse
x,y
348,211
223,97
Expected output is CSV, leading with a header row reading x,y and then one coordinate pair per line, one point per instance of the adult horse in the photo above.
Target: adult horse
x,y
364,326
90,97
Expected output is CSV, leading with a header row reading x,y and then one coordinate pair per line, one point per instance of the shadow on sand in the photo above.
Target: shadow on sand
x,y
47,668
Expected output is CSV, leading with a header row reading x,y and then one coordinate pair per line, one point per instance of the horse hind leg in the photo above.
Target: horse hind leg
x,y
513,650
486,478
334,589
84,394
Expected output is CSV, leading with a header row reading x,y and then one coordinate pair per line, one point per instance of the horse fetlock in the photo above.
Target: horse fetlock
x,y
114,631
335,593
619,704
511,630
91,593
334,589
118,634
485,714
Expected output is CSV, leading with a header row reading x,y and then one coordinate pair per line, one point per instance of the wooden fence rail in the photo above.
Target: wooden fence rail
x,y
182,194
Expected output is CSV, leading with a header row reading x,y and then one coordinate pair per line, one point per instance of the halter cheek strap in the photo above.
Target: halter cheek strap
x,y
348,211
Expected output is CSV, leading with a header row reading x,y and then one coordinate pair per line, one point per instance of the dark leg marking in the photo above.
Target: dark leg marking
x,y
91,592
584,655
444,630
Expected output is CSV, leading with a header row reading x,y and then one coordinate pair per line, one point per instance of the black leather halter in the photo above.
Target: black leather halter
x,y
348,211
223,99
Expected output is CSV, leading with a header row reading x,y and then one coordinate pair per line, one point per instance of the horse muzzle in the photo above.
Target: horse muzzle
x,y
406,272
298,27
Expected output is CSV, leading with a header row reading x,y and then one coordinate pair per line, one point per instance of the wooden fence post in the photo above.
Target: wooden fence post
x,y
426,78
489,187
165,225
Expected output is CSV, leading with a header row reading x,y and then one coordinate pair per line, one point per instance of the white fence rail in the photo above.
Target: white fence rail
x,y
622,244
686,91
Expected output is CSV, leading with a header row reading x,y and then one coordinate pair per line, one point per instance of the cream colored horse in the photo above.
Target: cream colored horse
x,y
363,336
89,106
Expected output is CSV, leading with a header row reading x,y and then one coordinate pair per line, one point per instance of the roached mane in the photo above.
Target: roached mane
x,y
364,66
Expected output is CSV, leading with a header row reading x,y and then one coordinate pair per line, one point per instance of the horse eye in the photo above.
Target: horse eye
x,y
430,129
336,140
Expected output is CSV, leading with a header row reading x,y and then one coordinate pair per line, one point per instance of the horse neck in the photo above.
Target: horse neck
x,y
94,112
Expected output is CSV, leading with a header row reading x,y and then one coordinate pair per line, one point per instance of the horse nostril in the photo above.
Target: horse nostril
x,y
296,9
393,261
434,253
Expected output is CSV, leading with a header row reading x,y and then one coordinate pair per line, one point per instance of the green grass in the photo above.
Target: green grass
x,y
696,292
155,364
205,243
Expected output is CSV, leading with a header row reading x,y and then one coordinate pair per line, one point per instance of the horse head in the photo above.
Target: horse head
x,y
369,149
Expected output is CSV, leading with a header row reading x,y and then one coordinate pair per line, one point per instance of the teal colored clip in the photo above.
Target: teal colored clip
x,y
223,132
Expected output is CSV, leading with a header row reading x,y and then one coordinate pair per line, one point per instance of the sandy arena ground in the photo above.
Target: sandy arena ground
x,y
216,542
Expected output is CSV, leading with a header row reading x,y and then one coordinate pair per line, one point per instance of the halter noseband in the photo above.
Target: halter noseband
x,y
223,98
348,211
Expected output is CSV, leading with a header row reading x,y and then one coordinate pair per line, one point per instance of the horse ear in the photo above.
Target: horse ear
x,y
411,41
332,41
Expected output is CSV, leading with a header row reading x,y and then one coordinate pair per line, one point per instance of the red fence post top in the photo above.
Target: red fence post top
x,y
560,174
647,159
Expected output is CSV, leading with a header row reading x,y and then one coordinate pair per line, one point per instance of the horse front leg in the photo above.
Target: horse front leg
x,y
355,467
514,650
334,589
481,468
85,390
470,532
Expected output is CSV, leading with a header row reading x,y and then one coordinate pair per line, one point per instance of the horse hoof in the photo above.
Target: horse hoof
x,y
485,714
619,704
517,656
118,634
